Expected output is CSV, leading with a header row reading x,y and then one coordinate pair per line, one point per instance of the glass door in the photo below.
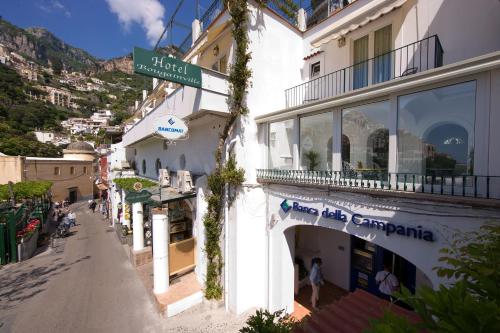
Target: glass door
x,y
360,68
382,52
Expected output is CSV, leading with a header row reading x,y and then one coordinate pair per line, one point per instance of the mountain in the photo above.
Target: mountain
x,y
41,46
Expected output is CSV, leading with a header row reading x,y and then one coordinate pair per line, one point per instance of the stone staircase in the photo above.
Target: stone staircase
x,y
351,314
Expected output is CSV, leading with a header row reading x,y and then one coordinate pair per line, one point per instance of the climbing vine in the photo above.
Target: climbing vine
x,y
228,171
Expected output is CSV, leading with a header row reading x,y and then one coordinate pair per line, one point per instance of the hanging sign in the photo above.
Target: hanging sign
x,y
134,197
163,67
170,127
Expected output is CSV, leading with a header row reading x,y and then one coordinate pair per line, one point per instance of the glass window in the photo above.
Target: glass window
x,y
143,167
315,69
316,141
158,166
365,137
84,170
436,131
57,171
281,145
71,170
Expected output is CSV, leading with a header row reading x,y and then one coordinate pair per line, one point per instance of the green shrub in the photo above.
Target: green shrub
x,y
264,321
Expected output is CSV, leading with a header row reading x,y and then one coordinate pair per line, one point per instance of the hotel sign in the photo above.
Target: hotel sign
x,y
388,228
167,68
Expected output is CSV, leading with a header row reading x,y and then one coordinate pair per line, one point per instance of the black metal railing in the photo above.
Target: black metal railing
x,y
413,58
280,9
321,11
474,186
211,14
186,43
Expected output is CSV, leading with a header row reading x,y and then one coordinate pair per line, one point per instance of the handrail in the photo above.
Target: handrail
x,y
475,186
406,60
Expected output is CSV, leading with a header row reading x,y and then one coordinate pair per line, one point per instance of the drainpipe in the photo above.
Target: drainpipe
x,y
226,229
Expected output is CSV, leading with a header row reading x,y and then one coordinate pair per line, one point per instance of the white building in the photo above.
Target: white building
x,y
370,138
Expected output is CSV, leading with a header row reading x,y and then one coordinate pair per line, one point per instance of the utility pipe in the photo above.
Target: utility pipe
x,y
226,229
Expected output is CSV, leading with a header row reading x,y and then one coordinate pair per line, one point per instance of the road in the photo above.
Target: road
x,y
84,284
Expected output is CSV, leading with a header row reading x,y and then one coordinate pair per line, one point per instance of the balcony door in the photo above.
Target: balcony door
x,y
360,68
382,53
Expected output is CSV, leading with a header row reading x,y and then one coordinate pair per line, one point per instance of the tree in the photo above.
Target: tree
x,y
472,301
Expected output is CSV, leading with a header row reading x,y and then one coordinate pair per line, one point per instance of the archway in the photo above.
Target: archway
x,y
335,244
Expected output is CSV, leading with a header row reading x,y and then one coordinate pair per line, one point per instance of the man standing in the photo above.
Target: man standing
x,y
316,278
387,282
72,218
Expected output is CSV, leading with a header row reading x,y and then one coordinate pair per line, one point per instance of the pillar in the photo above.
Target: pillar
x,y
160,251
301,20
138,220
195,30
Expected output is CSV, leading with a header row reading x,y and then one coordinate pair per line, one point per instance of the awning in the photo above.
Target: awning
x,y
169,194
347,24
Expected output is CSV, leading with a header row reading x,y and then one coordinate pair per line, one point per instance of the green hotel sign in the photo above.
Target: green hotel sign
x,y
163,67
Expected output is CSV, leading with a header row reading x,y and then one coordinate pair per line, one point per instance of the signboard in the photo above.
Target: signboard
x,y
170,127
389,228
137,186
133,197
163,67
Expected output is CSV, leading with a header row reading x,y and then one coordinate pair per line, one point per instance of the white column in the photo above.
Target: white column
x,y
195,30
138,220
160,251
301,20
115,198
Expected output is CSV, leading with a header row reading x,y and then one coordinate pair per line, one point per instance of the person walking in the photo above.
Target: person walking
x,y
93,204
316,278
72,218
387,282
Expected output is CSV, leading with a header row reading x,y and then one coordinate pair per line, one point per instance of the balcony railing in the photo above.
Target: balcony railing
x,y
211,14
186,43
410,59
323,10
487,187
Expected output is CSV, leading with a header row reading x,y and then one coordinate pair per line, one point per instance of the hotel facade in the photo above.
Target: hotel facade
x,y
371,139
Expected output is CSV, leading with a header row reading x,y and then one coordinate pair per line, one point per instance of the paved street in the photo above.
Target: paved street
x,y
85,284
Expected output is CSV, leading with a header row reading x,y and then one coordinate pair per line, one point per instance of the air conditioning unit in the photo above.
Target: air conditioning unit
x,y
164,177
184,181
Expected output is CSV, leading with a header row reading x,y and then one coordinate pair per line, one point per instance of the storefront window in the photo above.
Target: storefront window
x,y
436,131
316,141
281,145
365,137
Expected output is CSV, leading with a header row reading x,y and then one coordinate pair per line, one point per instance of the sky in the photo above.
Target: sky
x,y
104,28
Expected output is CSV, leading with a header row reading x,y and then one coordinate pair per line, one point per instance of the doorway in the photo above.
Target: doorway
x,y
367,259
332,247
73,195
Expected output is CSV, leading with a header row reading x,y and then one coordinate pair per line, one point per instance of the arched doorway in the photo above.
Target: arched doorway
x,y
349,262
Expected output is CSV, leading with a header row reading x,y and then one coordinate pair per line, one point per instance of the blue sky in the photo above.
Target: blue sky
x,y
104,28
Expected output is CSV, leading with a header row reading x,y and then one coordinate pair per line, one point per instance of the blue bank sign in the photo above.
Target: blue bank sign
x,y
338,215
170,127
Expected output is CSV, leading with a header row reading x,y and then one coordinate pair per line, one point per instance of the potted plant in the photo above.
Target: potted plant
x,y
313,159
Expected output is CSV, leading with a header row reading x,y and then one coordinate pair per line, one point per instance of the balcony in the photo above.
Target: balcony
x,y
322,10
407,60
474,186
185,102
